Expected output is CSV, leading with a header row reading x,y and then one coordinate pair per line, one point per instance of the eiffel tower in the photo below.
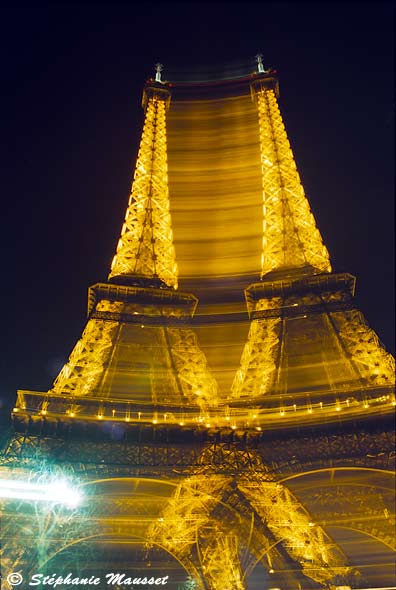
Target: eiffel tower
x,y
186,485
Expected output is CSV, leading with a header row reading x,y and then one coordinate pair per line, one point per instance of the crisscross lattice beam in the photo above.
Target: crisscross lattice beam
x,y
290,236
145,248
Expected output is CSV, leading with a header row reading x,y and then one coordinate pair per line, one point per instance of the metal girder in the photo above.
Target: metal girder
x,y
143,449
145,248
168,361
188,519
312,348
220,561
258,367
290,236
84,369
356,506
361,343
198,385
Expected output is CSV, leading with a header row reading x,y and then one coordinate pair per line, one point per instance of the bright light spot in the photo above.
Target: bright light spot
x,y
258,428
56,491
271,571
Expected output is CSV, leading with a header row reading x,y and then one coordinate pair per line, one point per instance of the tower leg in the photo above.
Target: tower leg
x,y
220,561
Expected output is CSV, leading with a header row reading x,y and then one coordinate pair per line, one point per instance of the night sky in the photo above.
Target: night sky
x,y
71,121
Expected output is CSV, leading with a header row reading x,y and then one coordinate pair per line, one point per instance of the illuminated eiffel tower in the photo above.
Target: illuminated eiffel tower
x,y
194,481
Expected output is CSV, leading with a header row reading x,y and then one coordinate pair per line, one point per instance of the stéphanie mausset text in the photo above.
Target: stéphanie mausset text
x,y
111,580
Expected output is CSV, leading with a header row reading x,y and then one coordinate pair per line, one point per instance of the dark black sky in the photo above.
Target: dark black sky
x,y
72,76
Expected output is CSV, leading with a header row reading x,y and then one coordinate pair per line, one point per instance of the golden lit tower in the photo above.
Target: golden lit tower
x,y
118,406
231,474
311,403
136,354
291,239
309,349
225,487
145,248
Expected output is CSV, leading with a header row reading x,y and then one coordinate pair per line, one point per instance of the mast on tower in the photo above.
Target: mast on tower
x,y
158,69
260,65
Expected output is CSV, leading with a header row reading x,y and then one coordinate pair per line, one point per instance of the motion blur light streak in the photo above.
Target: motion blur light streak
x,y
215,177
56,491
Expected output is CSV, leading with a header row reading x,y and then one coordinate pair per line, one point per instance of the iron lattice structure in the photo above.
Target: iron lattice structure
x,y
290,236
196,478
145,248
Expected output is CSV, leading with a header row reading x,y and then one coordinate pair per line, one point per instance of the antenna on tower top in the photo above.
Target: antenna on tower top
x,y
158,68
259,59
